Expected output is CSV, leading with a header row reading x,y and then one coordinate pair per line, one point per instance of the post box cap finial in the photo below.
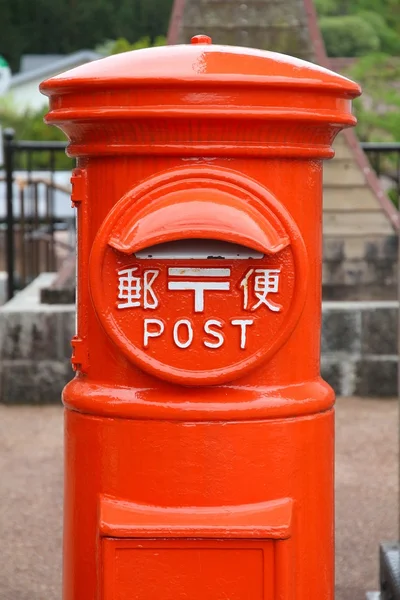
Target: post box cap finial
x,y
201,39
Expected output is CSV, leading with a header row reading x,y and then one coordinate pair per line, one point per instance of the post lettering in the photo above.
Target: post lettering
x,y
216,334
147,333
242,324
189,334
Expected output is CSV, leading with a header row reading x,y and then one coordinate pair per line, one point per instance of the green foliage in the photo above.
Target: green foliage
x,y
394,197
65,26
348,36
326,8
377,26
122,44
30,126
389,40
378,110
370,30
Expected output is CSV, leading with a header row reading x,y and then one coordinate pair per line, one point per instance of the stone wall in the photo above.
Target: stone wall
x,y
279,25
35,346
360,268
358,347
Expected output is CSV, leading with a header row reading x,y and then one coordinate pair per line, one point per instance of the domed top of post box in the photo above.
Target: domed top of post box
x,y
203,81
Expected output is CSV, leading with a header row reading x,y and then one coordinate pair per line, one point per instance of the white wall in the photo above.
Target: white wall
x,y
26,96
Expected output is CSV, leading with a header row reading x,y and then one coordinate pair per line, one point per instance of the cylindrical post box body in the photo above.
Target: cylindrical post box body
x,y
198,432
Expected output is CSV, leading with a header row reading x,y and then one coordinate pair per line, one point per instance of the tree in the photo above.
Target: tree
x,y
122,45
11,43
377,26
378,109
348,36
30,126
389,40
65,26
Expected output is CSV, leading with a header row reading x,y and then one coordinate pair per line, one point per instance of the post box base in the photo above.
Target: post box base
x,y
143,495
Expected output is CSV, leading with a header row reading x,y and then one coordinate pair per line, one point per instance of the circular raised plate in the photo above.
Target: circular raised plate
x,y
198,312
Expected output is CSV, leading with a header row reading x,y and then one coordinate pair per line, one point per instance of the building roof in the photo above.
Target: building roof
x,y
42,66
31,62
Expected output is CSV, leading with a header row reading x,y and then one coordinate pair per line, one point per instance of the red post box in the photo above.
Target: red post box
x,y
198,431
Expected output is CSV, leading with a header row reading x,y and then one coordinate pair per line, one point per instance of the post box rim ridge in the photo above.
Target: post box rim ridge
x,y
189,64
112,106
247,403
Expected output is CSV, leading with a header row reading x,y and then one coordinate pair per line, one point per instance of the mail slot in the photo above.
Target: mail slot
x,y
198,431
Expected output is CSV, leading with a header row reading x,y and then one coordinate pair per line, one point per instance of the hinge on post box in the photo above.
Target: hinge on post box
x,y
80,358
78,192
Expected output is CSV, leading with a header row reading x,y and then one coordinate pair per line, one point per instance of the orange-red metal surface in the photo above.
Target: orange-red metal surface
x,y
198,432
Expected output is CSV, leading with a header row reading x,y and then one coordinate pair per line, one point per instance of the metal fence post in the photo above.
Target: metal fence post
x,y
8,144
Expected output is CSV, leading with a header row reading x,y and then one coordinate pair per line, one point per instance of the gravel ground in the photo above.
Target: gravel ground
x,y
31,497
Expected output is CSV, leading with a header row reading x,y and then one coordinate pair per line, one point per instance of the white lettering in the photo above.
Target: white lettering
x,y
135,290
152,334
189,328
264,282
216,334
243,324
183,332
199,287
198,272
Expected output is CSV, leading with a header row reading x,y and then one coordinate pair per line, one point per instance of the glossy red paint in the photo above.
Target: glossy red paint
x,y
198,431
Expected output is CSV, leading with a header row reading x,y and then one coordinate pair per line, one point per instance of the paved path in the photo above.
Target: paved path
x,y
367,507
31,497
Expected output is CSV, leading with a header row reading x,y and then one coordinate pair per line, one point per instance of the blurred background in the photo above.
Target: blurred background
x,y
359,345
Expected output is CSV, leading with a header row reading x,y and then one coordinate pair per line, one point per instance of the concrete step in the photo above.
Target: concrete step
x,y
342,172
349,198
356,223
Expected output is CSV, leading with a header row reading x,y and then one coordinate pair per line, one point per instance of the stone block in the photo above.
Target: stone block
x,y
34,347
331,372
340,331
333,250
379,331
381,247
354,248
382,271
67,324
371,250
236,14
30,335
28,382
333,273
390,247
280,26
356,272
377,378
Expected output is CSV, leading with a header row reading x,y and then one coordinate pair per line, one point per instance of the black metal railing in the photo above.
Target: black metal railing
x,y
37,226
385,160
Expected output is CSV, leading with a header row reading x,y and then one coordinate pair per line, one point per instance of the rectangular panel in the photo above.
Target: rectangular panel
x,y
187,570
